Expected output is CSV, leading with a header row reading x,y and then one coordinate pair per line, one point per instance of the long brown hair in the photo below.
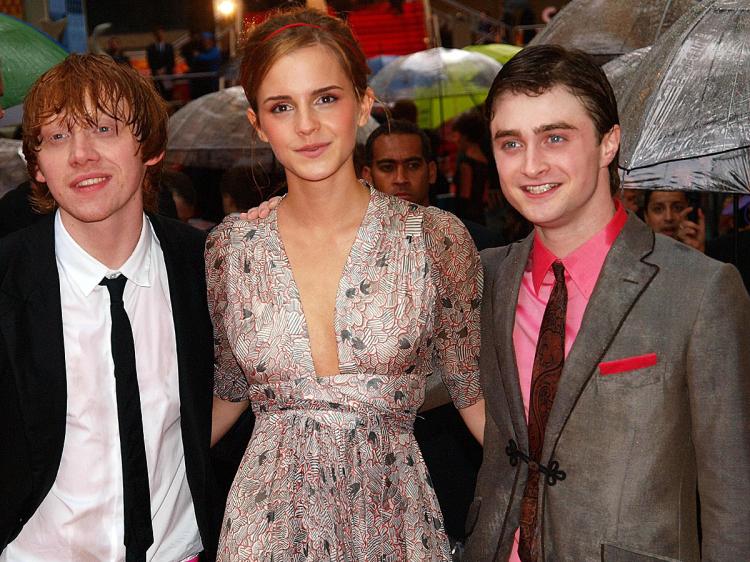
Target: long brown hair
x,y
290,30
78,90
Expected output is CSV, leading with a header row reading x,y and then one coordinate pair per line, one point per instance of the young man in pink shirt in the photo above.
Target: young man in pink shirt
x,y
615,374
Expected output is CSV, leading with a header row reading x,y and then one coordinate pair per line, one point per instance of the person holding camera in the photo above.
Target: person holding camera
x,y
673,214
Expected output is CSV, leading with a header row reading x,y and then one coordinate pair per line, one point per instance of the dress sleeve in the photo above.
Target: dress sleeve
x,y
222,258
456,270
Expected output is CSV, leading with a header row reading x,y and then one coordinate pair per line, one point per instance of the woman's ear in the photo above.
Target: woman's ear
x,y
365,106
255,122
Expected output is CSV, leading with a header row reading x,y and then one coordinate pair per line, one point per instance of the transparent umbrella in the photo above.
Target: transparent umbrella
x,y
609,28
622,70
213,132
501,52
441,82
12,166
686,113
25,54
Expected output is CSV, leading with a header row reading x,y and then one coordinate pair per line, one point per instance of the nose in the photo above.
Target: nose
x,y
534,163
306,122
670,215
82,149
400,176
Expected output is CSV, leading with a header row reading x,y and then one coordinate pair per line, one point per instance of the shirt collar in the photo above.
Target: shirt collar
x,y
585,263
85,271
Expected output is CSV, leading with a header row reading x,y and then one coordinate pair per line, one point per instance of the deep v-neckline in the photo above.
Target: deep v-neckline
x,y
362,239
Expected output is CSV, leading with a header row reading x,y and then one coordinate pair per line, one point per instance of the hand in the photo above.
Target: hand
x,y
691,233
262,210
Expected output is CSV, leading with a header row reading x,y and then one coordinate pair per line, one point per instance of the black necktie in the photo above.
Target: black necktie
x,y
546,372
136,496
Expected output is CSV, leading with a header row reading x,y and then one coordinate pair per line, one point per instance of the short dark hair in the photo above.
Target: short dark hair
x,y
398,127
472,125
539,68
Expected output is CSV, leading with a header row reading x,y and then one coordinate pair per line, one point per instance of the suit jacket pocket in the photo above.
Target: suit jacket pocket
x,y
642,375
472,515
615,553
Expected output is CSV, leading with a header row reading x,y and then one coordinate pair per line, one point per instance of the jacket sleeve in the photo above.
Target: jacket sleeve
x,y
718,369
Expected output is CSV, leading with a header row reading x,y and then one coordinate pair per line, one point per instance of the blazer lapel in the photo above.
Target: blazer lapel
x,y
31,325
504,300
623,279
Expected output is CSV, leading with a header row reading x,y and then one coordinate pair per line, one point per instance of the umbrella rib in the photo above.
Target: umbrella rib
x,y
647,115
706,155
663,17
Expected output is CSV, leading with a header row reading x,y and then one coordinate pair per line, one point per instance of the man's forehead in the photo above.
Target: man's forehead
x,y
84,116
520,110
397,146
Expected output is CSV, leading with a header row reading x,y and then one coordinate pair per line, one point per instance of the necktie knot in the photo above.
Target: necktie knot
x,y
559,270
115,286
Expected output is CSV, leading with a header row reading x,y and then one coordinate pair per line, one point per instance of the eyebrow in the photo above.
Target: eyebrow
x,y
316,92
562,125
394,160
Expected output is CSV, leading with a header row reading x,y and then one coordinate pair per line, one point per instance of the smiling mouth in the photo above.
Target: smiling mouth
x,y
91,181
539,189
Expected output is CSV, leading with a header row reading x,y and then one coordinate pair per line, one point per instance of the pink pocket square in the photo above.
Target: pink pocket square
x,y
627,364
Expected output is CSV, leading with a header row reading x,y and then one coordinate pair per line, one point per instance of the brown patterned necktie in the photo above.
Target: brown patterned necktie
x,y
548,366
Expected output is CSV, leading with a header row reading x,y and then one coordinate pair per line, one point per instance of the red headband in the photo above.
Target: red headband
x,y
288,26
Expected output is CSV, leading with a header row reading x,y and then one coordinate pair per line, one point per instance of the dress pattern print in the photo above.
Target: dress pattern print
x,y
333,471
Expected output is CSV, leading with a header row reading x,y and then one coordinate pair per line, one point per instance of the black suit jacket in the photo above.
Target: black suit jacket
x,y
158,60
33,395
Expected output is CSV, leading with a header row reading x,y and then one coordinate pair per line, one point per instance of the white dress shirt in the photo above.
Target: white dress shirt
x,y
81,519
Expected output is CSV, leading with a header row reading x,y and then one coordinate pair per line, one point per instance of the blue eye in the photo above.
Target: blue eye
x,y
555,139
57,138
509,145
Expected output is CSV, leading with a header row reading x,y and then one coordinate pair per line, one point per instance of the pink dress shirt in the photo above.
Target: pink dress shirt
x,y
582,269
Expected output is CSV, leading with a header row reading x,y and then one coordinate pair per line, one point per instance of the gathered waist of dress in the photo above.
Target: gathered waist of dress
x,y
344,416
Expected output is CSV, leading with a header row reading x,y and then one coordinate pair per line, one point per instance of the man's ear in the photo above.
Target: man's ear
x,y
39,176
365,106
367,173
255,122
155,160
432,172
609,146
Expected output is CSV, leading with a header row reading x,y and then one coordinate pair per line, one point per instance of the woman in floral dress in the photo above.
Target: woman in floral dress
x,y
329,316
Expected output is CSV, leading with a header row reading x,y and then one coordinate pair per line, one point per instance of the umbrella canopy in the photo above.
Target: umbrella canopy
x,y
501,52
686,118
12,166
610,28
213,132
376,64
441,82
25,54
622,70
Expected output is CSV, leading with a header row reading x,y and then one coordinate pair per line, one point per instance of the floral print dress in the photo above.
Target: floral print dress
x,y
333,471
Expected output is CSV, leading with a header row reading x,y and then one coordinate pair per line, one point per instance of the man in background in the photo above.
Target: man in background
x,y
160,55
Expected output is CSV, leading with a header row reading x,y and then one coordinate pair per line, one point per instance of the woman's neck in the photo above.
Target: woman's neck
x,y
325,204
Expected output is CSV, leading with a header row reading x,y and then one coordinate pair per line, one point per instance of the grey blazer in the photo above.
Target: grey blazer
x,y
634,445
